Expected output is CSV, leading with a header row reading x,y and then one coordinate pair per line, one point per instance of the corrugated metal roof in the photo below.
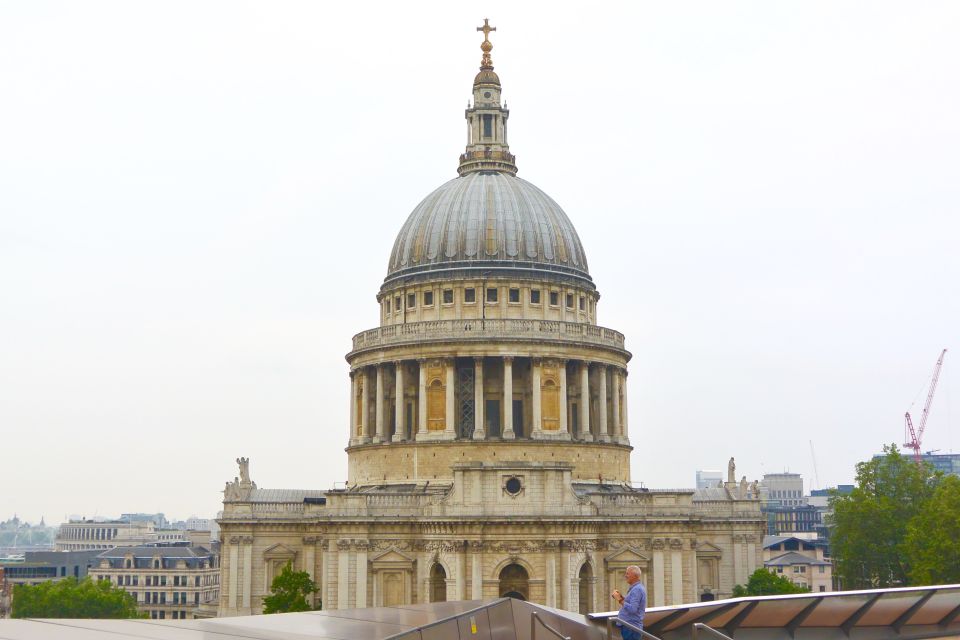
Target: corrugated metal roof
x,y
285,495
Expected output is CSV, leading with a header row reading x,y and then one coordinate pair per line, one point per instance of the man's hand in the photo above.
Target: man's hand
x,y
616,595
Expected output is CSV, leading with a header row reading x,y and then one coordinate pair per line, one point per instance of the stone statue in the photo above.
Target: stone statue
x,y
755,490
743,488
244,470
240,489
731,471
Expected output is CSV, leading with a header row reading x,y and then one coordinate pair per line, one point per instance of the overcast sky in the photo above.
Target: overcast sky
x,y
198,200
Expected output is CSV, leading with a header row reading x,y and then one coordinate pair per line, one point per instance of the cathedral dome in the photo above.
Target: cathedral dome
x,y
488,221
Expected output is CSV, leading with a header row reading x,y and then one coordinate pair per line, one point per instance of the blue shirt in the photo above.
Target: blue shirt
x,y
634,605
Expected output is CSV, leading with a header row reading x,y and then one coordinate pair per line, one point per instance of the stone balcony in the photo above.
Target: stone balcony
x,y
488,330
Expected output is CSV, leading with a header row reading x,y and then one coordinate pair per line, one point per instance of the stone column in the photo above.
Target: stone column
x,y
617,434
585,401
381,428
361,574
676,573
479,433
624,427
330,561
476,575
739,567
343,574
248,573
566,584
323,580
508,433
451,420
399,422
602,408
422,589
550,548
461,571
658,582
353,408
694,576
600,591
422,400
535,384
564,431
233,582
364,406
310,561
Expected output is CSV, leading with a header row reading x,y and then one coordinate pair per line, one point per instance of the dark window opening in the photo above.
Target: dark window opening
x,y
487,125
534,296
428,298
396,304
583,303
569,301
448,296
513,486
491,295
514,295
411,300
387,306
554,299
470,295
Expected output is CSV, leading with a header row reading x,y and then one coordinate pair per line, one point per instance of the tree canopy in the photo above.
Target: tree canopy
x,y
933,537
870,525
289,591
68,598
764,583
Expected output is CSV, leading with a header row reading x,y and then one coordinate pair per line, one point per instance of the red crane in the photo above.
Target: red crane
x,y
915,437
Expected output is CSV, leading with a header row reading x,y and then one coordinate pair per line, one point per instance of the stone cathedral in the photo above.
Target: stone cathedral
x,y
489,441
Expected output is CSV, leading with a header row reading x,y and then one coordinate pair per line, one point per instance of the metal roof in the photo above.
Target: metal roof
x,y
880,614
909,612
793,557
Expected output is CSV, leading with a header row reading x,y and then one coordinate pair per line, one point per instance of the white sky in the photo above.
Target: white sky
x,y
198,199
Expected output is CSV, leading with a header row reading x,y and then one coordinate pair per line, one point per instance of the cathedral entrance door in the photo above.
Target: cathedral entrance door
x,y
514,582
585,581
392,589
438,584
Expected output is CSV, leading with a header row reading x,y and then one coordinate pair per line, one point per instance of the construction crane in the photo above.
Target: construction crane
x,y
913,436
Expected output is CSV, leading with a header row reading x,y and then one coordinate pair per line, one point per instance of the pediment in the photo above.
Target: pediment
x,y
627,556
393,556
707,548
281,551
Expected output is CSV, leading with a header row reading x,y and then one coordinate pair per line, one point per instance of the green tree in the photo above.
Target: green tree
x,y
289,591
69,598
869,526
933,537
764,583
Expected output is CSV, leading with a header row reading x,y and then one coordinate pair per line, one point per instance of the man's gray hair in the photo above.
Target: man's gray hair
x,y
634,568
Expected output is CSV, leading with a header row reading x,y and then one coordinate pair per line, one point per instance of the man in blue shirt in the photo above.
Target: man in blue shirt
x,y
633,605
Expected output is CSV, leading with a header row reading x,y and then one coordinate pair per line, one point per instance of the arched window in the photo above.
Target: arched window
x,y
438,583
514,582
585,582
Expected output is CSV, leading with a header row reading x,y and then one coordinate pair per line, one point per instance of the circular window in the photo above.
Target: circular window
x,y
513,486
486,94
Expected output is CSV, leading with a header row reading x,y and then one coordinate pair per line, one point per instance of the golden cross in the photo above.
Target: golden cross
x,y
486,28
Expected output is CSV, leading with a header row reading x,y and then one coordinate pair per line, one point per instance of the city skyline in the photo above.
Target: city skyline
x,y
767,197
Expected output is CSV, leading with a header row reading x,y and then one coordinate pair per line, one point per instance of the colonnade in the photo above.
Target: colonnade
x,y
500,397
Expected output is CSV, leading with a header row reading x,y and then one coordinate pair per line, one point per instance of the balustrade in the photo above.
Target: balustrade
x,y
552,330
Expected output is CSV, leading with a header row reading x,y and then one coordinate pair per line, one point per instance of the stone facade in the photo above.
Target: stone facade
x,y
489,436
168,582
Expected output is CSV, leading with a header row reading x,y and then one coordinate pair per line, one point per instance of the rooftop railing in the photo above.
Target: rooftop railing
x,y
516,329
